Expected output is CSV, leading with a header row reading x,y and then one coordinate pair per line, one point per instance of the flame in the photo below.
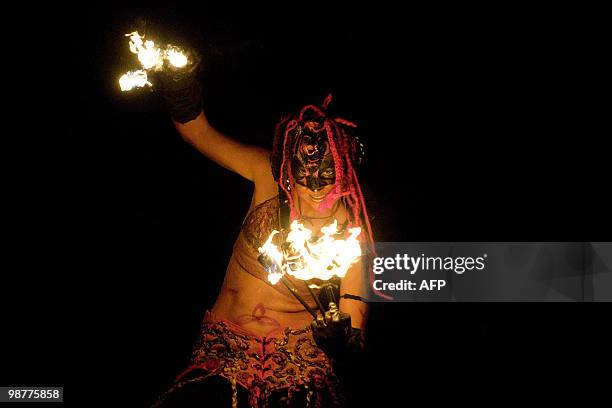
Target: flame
x,y
305,258
175,56
151,57
133,79
274,275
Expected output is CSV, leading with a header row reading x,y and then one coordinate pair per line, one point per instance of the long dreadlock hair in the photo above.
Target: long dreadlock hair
x,y
346,150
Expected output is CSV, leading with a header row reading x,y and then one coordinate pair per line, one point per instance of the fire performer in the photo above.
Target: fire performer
x,y
259,343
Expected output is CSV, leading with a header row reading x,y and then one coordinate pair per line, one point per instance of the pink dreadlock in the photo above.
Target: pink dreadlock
x,y
345,149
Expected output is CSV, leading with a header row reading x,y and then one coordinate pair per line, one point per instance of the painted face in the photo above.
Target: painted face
x,y
312,164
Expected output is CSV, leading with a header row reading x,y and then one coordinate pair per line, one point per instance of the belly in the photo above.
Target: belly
x,y
257,307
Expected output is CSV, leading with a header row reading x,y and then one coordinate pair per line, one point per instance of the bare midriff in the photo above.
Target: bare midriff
x,y
248,299
257,307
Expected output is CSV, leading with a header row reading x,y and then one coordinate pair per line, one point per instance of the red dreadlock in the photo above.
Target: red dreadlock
x,y
346,151
344,148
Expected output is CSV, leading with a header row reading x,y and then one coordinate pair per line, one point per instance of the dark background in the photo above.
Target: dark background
x,y
479,126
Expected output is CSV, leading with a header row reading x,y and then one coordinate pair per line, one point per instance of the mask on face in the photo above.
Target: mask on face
x,y
312,164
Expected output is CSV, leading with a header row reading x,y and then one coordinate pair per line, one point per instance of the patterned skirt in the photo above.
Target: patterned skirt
x,y
286,370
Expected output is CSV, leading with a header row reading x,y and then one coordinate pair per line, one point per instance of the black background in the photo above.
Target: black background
x,y
480,125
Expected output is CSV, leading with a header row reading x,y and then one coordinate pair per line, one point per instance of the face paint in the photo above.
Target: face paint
x,y
312,164
314,175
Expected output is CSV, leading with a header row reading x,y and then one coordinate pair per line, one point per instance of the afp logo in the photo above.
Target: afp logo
x,y
432,284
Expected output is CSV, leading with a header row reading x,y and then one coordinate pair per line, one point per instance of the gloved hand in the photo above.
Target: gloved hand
x,y
180,88
335,336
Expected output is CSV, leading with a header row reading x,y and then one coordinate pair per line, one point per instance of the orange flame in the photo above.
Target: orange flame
x,y
151,57
306,258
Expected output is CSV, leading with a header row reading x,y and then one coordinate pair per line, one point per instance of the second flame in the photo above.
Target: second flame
x,y
304,258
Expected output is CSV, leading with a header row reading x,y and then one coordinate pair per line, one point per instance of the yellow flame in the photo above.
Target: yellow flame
x,y
275,254
305,258
176,57
151,57
133,79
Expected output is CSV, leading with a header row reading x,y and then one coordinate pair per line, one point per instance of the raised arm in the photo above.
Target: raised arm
x,y
251,162
181,90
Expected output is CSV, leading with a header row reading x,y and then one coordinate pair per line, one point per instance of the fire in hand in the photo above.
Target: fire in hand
x,y
151,58
305,257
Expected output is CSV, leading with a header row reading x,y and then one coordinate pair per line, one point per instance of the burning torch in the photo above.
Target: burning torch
x,y
152,58
175,71
303,257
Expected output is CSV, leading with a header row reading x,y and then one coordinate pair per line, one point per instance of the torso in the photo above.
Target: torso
x,y
246,298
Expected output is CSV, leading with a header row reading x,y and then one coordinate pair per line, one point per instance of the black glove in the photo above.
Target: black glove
x,y
344,345
180,88
335,336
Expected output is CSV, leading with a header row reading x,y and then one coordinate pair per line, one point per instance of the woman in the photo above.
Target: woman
x,y
258,342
